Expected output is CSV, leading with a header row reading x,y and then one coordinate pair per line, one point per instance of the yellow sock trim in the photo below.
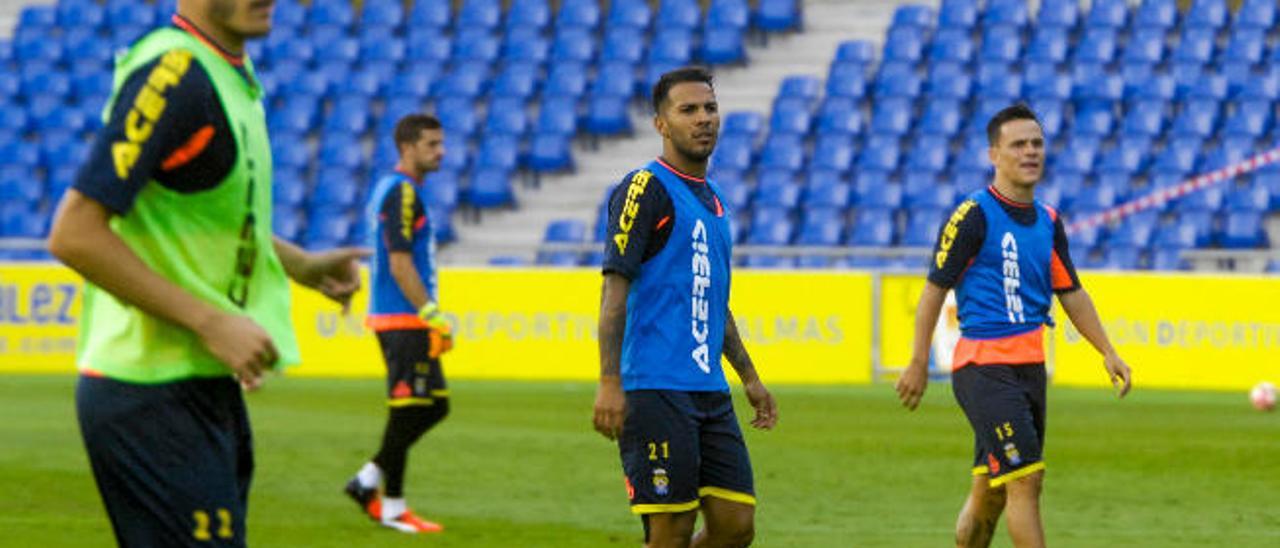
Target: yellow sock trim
x,y
1016,474
726,494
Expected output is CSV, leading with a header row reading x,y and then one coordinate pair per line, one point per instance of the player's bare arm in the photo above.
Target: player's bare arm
x,y
759,397
334,273
1079,308
407,278
610,406
82,239
915,379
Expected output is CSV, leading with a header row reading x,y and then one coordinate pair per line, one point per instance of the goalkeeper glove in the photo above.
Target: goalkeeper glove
x,y
438,330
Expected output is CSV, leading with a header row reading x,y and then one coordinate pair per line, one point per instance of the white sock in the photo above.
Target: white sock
x,y
369,476
392,508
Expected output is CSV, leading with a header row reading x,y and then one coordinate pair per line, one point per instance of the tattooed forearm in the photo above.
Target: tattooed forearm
x,y
736,352
613,323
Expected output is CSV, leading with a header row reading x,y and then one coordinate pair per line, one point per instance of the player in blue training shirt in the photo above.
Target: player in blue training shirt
x,y
404,311
1005,255
664,321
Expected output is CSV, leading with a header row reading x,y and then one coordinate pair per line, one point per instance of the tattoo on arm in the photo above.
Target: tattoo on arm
x,y
736,352
613,323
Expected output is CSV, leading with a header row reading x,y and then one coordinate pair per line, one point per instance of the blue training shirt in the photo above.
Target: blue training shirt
x,y
679,301
398,222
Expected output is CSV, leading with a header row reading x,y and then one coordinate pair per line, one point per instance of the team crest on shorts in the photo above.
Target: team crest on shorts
x,y
1011,454
661,484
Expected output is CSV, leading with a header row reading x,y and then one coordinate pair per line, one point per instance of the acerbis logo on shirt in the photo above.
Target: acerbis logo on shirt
x,y
701,265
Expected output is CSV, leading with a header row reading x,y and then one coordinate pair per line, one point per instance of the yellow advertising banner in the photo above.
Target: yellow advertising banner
x,y
1178,331
509,324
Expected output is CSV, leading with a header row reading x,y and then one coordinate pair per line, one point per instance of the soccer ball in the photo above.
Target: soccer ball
x,y
1263,396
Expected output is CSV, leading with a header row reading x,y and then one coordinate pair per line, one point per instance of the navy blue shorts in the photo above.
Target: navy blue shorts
x,y
413,378
172,461
678,447
1006,407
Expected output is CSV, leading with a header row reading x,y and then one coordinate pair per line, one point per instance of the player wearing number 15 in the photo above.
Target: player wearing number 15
x,y
1006,255
664,319
169,222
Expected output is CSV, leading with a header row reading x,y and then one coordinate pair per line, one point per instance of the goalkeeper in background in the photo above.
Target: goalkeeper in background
x,y
405,314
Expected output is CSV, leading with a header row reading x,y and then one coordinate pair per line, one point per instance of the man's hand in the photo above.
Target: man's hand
x,y
764,404
1119,373
334,273
912,384
610,408
239,343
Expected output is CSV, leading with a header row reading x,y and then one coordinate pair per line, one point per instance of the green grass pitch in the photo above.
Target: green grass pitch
x,y
517,464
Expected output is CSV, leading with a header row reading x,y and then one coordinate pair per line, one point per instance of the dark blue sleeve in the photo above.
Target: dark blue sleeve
x,y
158,109
400,212
959,241
637,209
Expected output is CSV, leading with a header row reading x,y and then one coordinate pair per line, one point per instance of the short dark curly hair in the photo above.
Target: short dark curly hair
x,y
662,89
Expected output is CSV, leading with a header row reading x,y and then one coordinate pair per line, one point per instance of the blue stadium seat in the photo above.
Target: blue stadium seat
x,y
777,195
821,227
891,116
685,14
722,46
833,152
790,116
1135,230
1098,45
1254,14
331,12
1048,85
769,262
974,155
960,14
566,80
874,191
376,48
84,47
1144,117
1248,198
1157,87
1196,117
941,117
464,80
29,50
847,80
1168,259
1128,154
1062,14
903,44
1243,230
949,81
490,188
1009,13
1000,44
951,45
1260,88
525,45
80,14
928,153
578,14
549,152
442,190
20,154
565,231
528,14
839,121
748,123
388,17
607,115
1252,118
1196,45
1179,154
854,51
783,152
130,14
778,15
912,15
458,117
970,180
1093,122
629,13
431,14
922,190
1078,155
623,44
500,151
1244,45
1098,90
1048,44
1156,14
475,44
728,13
506,116
733,152
350,115
1109,14
1206,14
46,84
479,14
425,46
897,80
800,87
672,46
922,227
1145,46
871,227
288,222
575,45
832,195
414,84
517,80
20,221
38,18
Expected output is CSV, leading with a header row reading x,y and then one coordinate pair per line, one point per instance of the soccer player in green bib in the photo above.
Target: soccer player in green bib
x,y
187,293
